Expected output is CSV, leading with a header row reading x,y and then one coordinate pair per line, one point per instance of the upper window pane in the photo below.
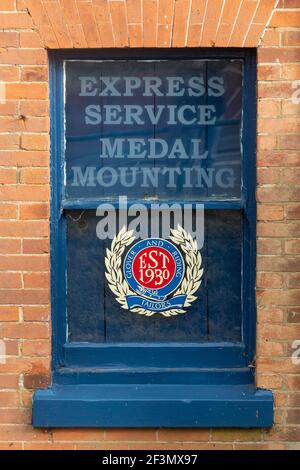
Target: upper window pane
x,y
153,129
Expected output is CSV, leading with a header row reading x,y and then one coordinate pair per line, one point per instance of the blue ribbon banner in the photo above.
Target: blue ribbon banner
x,y
162,306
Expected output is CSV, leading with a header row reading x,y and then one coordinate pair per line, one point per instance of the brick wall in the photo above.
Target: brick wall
x,y
27,29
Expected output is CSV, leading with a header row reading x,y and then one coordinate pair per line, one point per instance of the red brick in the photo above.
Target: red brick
x,y
268,72
24,228
293,211
269,315
119,23
34,74
270,37
279,297
9,381
293,416
37,91
34,108
266,142
289,108
89,24
264,11
10,281
292,247
270,381
9,108
180,26
8,313
293,280
30,40
10,124
8,245
290,38
78,435
166,11
278,158
268,175
229,14
183,435
24,57
228,435
278,55
7,5
24,296
8,399
24,263
278,263
135,32
269,280
130,435
282,19
33,381
150,9
279,126
35,142
25,331
269,212
194,35
9,39
15,20
271,89
47,446
23,158
9,142
273,229
8,211
36,313
36,280
34,211
268,108
210,24
13,416
60,29
242,23
20,433
34,176
36,246
41,348
289,142
268,246
8,176
277,194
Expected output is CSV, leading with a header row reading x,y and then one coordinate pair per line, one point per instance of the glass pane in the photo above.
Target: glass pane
x,y
94,315
153,129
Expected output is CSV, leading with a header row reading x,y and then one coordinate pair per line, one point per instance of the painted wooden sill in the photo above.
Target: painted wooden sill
x,y
153,405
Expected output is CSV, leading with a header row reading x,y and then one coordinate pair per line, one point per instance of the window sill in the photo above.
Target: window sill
x,y
153,405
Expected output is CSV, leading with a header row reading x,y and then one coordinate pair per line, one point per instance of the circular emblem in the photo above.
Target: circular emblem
x,y
154,268
155,276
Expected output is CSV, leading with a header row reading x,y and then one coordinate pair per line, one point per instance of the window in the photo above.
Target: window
x,y
148,130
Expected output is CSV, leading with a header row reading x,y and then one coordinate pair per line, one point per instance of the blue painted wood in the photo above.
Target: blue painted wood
x,y
89,204
185,404
140,406
249,196
164,355
114,374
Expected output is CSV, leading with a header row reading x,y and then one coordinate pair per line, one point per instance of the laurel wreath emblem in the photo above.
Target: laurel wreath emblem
x,y
189,285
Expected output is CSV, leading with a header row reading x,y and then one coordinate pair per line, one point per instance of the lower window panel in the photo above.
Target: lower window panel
x,y
95,316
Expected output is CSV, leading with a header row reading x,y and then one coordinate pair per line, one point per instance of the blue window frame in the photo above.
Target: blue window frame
x,y
115,370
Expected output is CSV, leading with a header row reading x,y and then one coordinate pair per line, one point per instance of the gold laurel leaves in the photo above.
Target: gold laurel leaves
x,y
120,287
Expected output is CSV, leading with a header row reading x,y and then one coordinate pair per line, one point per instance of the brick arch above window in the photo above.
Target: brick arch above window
x,y
150,23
